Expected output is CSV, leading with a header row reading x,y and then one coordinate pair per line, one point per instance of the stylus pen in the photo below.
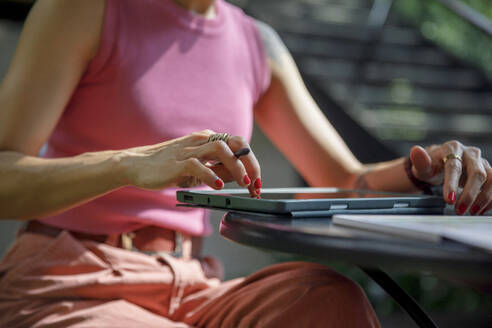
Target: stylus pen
x,y
241,152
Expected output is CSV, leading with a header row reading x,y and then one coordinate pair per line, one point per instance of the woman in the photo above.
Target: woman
x,y
116,90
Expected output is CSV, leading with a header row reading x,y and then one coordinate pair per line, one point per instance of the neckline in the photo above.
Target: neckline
x,y
194,21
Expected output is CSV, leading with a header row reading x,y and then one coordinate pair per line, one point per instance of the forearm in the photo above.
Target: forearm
x,y
384,176
291,119
300,131
33,187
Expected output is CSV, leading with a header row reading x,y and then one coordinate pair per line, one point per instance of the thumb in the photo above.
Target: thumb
x,y
421,162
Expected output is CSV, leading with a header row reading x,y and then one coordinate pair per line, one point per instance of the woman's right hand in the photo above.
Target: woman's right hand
x,y
188,161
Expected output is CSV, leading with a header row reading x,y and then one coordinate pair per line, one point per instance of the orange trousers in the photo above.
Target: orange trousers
x,y
64,282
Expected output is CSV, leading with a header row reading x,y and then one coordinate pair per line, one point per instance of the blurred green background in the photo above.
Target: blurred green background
x,y
445,28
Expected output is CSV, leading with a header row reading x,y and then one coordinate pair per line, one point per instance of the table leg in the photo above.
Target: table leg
x,y
405,301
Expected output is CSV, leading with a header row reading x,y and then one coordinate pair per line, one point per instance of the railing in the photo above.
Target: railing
x,y
469,14
379,13
381,8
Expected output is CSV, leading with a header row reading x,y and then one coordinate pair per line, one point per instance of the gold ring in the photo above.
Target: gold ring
x,y
451,156
219,136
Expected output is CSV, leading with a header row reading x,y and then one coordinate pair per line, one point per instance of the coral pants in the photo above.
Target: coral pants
x,y
65,282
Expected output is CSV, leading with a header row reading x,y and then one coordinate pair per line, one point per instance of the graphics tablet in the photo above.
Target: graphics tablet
x,y
313,202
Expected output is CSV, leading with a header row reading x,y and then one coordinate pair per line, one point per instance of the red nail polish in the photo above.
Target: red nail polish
x,y
258,183
474,210
258,191
462,208
219,183
246,180
452,197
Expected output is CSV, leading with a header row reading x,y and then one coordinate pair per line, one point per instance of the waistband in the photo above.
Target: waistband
x,y
150,240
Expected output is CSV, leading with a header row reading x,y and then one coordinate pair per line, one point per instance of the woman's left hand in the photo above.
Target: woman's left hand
x,y
464,167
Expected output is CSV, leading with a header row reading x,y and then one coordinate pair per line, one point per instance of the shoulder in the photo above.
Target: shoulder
x,y
73,9
273,44
79,20
267,32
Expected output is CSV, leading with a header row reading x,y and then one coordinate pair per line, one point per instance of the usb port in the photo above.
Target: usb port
x,y
338,206
401,205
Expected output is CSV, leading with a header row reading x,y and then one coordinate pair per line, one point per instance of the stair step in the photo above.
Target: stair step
x,y
324,13
325,3
410,125
384,73
402,94
349,32
402,146
333,49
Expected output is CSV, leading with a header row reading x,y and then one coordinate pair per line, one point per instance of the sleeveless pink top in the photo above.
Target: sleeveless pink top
x,y
161,72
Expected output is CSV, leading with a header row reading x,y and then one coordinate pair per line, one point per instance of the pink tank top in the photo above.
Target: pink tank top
x,y
161,72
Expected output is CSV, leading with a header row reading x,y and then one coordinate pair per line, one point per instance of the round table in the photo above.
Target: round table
x,y
318,238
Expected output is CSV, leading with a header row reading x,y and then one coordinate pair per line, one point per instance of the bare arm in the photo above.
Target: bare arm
x,y
289,116
59,39
292,120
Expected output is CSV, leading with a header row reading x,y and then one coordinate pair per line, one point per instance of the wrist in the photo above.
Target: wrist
x,y
123,163
360,180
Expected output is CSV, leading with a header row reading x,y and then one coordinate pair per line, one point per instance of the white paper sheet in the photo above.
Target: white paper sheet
x,y
471,230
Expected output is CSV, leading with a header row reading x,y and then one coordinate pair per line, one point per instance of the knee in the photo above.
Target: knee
x,y
327,298
320,277
325,281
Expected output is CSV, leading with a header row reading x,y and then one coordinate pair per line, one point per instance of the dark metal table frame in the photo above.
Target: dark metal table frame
x,y
371,253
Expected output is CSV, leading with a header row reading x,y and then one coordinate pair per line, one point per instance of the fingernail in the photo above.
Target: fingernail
x,y
258,191
462,208
219,183
246,180
258,183
474,210
258,197
452,197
